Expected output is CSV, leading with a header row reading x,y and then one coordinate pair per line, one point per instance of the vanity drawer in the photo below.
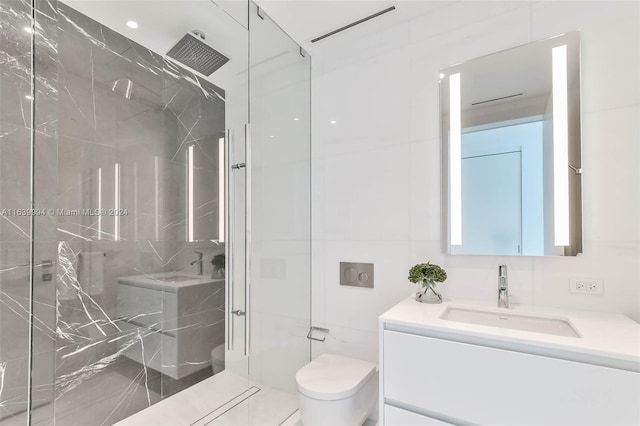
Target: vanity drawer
x,y
148,307
394,416
160,350
475,384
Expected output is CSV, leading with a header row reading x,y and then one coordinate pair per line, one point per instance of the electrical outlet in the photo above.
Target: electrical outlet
x,y
586,285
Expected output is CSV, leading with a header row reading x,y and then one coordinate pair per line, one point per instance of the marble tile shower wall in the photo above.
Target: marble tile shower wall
x,y
14,130
101,100
17,122
376,171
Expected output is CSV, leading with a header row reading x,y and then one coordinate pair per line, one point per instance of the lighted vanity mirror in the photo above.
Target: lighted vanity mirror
x,y
510,126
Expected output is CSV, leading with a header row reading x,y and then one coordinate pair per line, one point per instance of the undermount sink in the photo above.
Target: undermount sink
x,y
175,279
523,322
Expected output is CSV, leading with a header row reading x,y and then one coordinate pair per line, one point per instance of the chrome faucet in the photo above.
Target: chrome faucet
x,y
199,261
503,287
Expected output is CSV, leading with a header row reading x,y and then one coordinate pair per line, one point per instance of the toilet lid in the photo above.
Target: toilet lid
x,y
330,377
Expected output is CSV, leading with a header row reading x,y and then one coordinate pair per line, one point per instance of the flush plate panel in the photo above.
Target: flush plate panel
x,y
356,274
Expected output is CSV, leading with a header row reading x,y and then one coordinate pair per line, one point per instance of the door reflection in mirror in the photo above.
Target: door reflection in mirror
x,y
502,190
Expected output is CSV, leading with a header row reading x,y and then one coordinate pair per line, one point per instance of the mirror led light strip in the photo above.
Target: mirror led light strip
x,y
156,207
221,194
135,200
455,159
116,196
99,203
560,146
190,193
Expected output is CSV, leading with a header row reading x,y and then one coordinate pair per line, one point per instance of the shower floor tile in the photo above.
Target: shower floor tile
x,y
268,407
225,399
196,404
103,399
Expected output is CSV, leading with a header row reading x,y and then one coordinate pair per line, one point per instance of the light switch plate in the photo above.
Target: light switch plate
x,y
356,274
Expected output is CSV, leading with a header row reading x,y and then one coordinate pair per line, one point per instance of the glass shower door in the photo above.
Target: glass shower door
x,y
280,222
27,248
15,228
130,157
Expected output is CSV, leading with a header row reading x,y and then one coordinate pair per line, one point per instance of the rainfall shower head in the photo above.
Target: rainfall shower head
x,y
193,52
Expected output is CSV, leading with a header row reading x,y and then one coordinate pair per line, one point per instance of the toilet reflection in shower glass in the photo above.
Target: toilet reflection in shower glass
x,y
510,126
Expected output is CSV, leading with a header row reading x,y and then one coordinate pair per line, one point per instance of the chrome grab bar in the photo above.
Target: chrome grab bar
x,y
247,243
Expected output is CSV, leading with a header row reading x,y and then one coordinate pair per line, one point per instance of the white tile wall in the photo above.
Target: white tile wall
x,y
376,172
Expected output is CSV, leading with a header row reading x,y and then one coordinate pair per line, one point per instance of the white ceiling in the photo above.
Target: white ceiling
x,y
305,20
163,22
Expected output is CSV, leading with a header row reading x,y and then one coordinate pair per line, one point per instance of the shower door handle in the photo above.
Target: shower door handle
x,y
229,231
229,247
230,226
247,243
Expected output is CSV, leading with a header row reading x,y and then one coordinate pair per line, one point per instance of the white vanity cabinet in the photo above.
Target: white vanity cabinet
x,y
170,327
431,377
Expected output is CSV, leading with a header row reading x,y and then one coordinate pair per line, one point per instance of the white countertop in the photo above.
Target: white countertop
x,y
611,340
153,281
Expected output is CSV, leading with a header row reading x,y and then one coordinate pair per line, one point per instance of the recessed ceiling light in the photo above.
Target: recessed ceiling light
x,y
441,75
29,30
333,121
296,119
28,97
132,24
272,136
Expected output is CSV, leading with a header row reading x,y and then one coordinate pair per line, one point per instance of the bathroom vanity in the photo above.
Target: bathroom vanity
x,y
471,363
172,321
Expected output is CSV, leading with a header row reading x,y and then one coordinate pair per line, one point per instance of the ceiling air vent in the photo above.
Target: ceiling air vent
x,y
353,24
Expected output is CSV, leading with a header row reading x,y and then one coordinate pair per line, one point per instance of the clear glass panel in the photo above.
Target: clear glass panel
x,y
120,299
280,217
16,118
129,283
45,172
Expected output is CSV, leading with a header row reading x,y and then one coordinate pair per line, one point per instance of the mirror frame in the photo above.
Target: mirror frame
x,y
574,166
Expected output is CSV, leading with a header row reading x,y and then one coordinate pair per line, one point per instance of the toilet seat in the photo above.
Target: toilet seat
x,y
331,377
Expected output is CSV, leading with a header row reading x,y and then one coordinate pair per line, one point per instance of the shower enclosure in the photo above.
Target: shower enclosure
x,y
155,212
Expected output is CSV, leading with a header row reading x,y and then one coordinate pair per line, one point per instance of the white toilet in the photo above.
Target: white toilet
x,y
335,390
217,359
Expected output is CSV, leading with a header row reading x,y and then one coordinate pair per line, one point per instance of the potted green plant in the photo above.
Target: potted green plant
x,y
427,274
218,263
